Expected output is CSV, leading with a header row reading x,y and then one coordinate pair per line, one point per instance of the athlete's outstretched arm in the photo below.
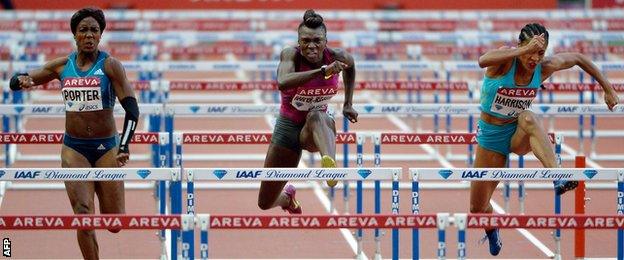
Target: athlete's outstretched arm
x,y
287,77
564,61
348,78
47,73
119,81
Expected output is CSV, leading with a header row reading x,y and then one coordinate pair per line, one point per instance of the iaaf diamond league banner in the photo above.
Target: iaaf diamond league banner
x,y
525,174
255,174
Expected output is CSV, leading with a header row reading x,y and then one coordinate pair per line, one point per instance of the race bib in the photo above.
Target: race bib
x,y
316,98
82,94
512,101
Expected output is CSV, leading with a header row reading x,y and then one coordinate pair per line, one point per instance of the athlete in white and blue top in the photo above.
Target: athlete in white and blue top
x,y
90,81
512,79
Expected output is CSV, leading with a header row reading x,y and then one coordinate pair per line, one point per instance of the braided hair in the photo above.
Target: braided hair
x,y
312,20
532,29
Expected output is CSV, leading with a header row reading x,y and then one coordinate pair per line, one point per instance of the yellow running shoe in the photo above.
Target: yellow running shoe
x,y
328,162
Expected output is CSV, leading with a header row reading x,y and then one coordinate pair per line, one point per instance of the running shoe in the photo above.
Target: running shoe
x,y
293,206
328,162
562,187
493,237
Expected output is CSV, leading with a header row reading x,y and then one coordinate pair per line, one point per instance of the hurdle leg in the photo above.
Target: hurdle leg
x,y
395,210
521,189
378,211
359,198
557,233
359,161
506,191
188,236
204,225
377,151
579,208
161,191
620,211
443,222
358,210
415,211
345,164
460,223
581,135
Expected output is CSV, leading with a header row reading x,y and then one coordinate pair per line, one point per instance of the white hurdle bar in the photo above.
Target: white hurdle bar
x,y
518,174
89,174
307,174
510,174
94,174
59,109
466,109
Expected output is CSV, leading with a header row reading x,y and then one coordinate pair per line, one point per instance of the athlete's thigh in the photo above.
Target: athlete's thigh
x,y
520,142
110,193
80,193
481,191
306,137
277,157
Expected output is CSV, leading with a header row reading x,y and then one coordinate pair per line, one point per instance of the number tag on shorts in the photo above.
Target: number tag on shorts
x,y
512,101
315,98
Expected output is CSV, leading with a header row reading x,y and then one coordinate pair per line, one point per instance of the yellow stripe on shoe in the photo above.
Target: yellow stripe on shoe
x,y
328,162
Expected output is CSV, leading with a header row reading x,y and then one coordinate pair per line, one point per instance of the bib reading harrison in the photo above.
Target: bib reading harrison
x,y
512,78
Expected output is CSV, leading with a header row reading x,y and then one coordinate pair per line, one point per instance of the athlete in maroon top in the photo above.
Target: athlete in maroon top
x,y
307,77
309,96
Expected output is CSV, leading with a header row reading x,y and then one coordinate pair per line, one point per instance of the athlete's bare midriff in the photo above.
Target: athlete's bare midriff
x,y
95,124
490,119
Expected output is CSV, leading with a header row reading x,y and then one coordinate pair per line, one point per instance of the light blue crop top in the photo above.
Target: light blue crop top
x,y
502,98
85,91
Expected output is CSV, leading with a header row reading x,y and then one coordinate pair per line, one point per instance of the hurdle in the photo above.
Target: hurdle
x,y
95,174
159,222
272,174
235,138
160,139
526,174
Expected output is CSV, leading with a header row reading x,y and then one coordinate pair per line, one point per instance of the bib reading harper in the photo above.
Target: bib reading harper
x,y
502,98
85,91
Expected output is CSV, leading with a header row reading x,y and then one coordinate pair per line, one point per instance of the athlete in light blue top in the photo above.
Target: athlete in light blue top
x,y
90,82
75,82
512,79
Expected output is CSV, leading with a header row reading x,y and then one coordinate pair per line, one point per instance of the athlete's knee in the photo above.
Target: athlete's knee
x,y
264,204
88,233
114,230
478,208
528,121
82,208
